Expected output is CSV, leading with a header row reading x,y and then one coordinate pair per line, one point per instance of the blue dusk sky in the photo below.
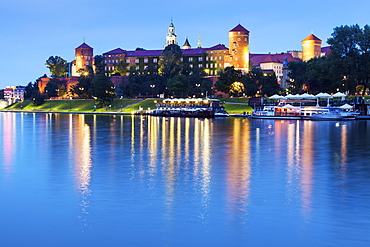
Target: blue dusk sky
x,y
32,31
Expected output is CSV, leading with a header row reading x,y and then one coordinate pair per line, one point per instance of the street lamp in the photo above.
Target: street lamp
x,y
197,85
152,86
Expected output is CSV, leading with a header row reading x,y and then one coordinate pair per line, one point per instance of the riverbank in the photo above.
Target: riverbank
x,y
118,107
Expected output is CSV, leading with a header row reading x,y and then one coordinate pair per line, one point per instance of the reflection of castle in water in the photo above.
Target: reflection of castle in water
x,y
80,152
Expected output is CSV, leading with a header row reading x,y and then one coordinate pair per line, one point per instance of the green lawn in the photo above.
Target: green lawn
x,y
144,104
118,105
238,109
75,105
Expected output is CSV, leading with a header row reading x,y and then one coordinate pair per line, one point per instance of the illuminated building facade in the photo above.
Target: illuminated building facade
x,y
84,55
311,47
14,94
238,48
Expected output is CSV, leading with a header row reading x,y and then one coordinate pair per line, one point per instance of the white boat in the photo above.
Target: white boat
x,y
290,112
278,112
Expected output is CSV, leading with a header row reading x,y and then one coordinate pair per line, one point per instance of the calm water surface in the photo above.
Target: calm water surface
x,y
91,180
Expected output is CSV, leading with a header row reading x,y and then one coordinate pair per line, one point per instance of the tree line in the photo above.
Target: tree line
x,y
345,69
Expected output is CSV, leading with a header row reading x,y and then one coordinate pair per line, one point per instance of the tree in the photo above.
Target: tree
x,y
84,86
170,61
179,85
99,64
58,66
51,88
103,89
227,77
250,81
350,47
121,67
298,76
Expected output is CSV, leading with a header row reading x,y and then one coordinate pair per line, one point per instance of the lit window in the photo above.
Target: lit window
x,y
200,59
155,60
127,60
190,59
136,60
145,60
238,39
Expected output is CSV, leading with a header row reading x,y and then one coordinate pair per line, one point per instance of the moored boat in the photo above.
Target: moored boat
x,y
205,108
290,112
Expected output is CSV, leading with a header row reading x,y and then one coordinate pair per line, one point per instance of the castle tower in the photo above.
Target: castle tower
x,y
84,56
311,47
239,48
186,45
171,37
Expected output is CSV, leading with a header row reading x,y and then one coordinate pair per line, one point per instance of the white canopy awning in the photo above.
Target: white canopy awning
x,y
346,106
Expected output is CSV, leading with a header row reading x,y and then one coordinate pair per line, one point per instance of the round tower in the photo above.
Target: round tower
x,y
239,48
311,47
84,56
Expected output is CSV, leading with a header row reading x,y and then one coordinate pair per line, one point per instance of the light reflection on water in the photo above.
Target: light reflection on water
x,y
183,181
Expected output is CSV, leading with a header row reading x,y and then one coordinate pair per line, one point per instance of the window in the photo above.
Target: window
x,y
136,60
220,58
155,60
200,59
190,59
238,39
145,60
127,60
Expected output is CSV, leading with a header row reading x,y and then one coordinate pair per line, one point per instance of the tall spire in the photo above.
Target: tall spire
x,y
199,43
186,44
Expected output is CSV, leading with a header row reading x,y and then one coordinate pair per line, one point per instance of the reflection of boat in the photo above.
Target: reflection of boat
x,y
189,108
305,113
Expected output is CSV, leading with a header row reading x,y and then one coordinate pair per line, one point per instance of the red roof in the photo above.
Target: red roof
x,y
115,51
157,53
257,59
239,28
326,50
312,37
84,45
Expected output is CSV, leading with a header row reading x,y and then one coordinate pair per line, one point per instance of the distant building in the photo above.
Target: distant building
x,y
14,94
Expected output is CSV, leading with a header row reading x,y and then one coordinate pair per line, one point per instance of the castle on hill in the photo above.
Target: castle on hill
x,y
211,59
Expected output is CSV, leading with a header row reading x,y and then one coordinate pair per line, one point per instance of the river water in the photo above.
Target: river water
x,y
102,180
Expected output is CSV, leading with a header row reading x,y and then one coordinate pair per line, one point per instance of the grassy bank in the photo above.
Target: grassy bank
x,y
118,105
75,105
